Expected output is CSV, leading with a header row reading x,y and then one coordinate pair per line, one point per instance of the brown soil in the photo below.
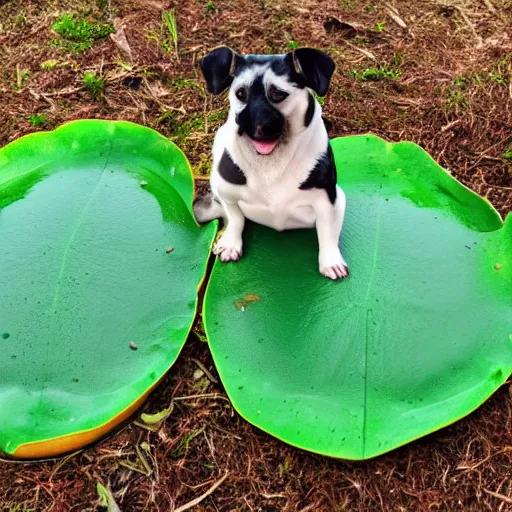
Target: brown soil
x,y
453,96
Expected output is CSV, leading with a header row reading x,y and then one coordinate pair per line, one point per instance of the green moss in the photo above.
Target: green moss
x,y
37,120
93,84
78,35
80,30
47,65
181,83
375,74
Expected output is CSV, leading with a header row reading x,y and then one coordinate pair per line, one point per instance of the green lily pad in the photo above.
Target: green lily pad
x,y
416,338
100,262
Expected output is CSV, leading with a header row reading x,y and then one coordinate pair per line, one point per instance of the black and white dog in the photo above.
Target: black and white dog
x,y
272,162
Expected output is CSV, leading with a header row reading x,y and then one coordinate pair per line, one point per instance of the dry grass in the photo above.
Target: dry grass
x,y
450,92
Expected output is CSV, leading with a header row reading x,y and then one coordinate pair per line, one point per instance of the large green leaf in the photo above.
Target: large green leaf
x,y
100,262
417,337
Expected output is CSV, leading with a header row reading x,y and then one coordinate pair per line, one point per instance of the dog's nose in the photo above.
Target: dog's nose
x,y
267,131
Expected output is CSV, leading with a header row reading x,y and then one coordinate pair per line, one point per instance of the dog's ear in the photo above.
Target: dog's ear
x,y
218,68
315,66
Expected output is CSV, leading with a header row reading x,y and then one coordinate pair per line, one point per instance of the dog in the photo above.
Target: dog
x,y
272,161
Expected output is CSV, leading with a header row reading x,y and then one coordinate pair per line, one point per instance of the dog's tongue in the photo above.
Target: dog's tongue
x,y
264,147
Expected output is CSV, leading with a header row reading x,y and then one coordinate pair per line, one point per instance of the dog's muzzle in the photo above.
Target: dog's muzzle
x,y
263,124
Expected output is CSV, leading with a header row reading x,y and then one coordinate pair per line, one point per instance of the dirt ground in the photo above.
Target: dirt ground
x,y
438,73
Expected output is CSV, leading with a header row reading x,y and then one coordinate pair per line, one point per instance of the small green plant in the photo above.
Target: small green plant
x,y
456,99
202,168
460,81
21,507
37,120
285,467
184,443
209,6
397,59
169,19
78,35
507,155
380,26
370,8
22,76
375,74
292,45
497,78
47,65
94,84
75,29
180,83
361,41
320,99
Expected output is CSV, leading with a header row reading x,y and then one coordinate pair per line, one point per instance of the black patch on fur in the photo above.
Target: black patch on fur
x,y
317,69
259,119
230,171
316,66
310,112
323,175
328,124
281,66
222,64
216,68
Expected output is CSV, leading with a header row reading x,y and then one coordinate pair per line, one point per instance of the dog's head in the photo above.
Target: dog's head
x,y
269,93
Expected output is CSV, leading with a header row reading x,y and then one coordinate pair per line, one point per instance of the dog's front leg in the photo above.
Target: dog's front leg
x,y
229,246
329,221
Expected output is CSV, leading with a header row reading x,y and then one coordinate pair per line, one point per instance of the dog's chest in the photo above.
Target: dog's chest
x,y
279,206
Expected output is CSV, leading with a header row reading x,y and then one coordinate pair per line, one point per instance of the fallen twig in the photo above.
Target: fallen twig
x,y
198,500
464,16
489,6
361,50
502,497
205,371
448,126
207,395
393,14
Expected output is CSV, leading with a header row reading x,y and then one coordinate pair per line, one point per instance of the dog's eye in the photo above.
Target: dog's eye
x,y
276,95
241,94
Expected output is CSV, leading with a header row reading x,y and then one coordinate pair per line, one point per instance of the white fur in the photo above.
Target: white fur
x,y
272,196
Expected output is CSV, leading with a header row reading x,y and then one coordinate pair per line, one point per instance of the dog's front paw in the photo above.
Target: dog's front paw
x,y
333,266
228,248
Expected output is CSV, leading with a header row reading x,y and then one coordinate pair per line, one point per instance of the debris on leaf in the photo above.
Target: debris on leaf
x,y
133,345
143,183
169,250
245,301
